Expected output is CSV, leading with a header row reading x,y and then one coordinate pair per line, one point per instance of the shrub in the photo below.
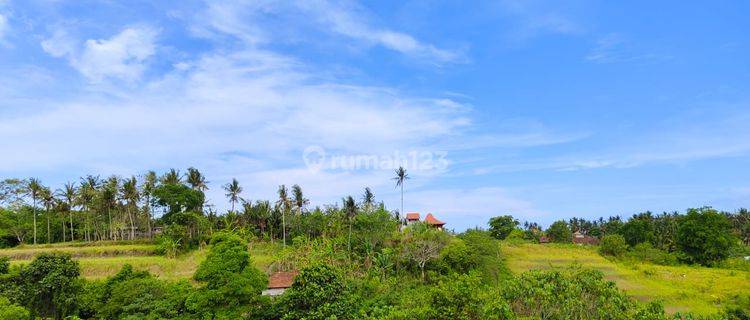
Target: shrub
x,y
318,292
12,311
501,227
613,245
646,252
49,285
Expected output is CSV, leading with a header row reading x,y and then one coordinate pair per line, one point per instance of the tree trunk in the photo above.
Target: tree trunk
x,y
48,227
34,201
109,214
283,226
132,225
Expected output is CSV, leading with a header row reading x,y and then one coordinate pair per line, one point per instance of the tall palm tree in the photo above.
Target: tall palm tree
x,y
147,189
233,190
283,203
196,179
368,199
48,200
86,194
299,199
129,193
108,195
350,210
401,177
173,176
33,187
262,212
69,194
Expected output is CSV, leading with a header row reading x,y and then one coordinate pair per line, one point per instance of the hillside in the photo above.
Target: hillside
x,y
680,288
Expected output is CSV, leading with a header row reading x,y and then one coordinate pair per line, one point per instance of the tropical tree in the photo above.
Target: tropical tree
x,y
299,199
108,198
501,227
69,193
233,190
350,211
196,179
129,193
401,177
147,190
368,199
173,176
283,204
48,200
86,196
33,187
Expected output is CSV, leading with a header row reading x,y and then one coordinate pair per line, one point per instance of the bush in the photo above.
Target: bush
x,y
48,286
613,245
501,227
646,252
12,311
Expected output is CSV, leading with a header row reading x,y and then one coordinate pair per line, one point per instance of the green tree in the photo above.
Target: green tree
x,y
178,198
401,177
33,188
422,244
638,229
12,311
173,176
501,227
704,235
613,245
148,186
49,285
69,193
196,180
318,292
560,232
230,282
233,190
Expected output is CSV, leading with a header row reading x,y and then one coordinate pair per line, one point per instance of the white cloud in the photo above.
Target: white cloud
x,y
539,17
4,27
124,56
615,48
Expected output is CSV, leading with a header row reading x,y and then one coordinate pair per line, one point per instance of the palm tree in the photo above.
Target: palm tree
x,y
400,178
109,199
172,177
33,187
131,196
299,199
350,210
283,203
69,194
48,199
262,213
86,194
147,189
196,179
233,190
368,199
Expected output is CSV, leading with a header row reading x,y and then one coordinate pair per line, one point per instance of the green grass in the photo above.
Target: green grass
x,y
681,288
106,259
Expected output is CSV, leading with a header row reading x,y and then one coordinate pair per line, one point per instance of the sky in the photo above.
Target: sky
x,y
544,110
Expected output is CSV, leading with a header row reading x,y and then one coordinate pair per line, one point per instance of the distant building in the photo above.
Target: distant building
x,y
412,217
430,220
580,238
279,282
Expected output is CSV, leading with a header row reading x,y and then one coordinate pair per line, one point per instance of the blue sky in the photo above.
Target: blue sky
x,y
539,109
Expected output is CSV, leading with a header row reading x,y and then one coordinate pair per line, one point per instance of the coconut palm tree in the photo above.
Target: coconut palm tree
x,y
33,187
233,190
108,196
196,179
69,193
131,196
48,200
172,177
299,199
283,204
401,177
147,189
350,210
368,199
86,194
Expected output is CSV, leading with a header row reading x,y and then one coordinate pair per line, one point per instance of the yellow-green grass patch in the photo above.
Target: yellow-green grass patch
x,y
681,288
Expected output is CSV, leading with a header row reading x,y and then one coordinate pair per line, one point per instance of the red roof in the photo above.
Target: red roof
x,y
281,280
431,220
412,216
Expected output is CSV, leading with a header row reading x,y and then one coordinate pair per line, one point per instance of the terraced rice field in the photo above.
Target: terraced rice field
x,y
105,259
680,288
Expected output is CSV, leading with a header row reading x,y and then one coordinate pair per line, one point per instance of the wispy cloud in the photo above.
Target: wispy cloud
x,y
539,17
614,48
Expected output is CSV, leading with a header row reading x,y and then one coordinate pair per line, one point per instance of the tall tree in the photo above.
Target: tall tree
x,y
173,176
233,190
299,199
196,179
401,177
147,189
86,195
33,187
69,193
283,204
129,193
108,198
368,199
350,210
48,200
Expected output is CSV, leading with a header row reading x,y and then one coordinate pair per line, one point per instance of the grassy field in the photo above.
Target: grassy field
x,y
680,288
106,259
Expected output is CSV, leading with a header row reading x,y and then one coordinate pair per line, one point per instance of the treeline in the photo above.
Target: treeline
x,y
700,235
171,205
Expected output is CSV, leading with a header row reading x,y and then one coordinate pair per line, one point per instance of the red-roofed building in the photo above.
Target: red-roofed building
x,y
430,220
412,217
279,282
